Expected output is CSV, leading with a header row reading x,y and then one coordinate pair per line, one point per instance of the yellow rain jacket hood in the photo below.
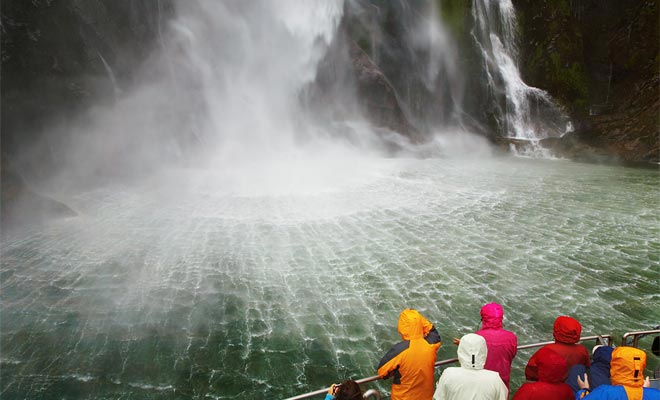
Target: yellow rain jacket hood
x,y
412,325
627,369
410,363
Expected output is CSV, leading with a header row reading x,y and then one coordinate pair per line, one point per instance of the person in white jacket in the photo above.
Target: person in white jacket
x,y
471,381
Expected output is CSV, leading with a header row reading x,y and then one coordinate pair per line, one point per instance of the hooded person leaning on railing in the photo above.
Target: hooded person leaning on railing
x,y
552,373
627,377
566,331
471,381
411,363
598,372
502,344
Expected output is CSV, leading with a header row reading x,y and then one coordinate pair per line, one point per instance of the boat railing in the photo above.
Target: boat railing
x,y
600,339
632,338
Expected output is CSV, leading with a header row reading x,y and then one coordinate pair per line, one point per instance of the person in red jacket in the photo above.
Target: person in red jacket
x,y
411,363
552,372
567,332
502,344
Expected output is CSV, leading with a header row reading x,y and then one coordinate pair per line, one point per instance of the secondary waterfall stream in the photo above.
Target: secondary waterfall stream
x,y
527,112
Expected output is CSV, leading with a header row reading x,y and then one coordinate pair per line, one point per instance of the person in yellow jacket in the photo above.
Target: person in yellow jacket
x,y
411,362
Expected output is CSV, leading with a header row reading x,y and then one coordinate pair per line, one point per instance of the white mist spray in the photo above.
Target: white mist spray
x,y
249,61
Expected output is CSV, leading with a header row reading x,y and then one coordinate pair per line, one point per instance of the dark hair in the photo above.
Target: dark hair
x,y
349,390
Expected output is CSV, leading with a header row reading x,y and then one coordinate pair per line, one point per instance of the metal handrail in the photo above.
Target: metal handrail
x,y
636,336
600,338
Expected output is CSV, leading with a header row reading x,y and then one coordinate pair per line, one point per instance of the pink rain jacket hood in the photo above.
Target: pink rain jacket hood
x,y
491,316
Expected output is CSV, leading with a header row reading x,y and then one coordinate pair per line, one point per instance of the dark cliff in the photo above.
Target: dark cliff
x,y
599,59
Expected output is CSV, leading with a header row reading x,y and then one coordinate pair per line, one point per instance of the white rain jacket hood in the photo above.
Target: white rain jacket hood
x,y
472,351
470,381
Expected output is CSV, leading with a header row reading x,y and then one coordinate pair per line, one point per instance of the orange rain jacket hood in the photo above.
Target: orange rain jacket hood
x,y
411,362
627,369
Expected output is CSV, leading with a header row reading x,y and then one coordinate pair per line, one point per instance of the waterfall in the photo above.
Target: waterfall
x,y
523,112
245,64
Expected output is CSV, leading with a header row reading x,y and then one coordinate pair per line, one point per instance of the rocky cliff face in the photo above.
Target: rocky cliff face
x,y
599,58
58,56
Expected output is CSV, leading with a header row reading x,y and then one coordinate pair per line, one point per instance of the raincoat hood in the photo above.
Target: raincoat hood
x,y
491,316
627,366
603,354
472,351
552,367
412,325
567,330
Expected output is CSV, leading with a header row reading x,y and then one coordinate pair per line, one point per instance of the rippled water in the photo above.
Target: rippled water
x,y
186,292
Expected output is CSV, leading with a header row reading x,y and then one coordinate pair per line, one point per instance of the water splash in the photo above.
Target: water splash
x,y
249,61
523,112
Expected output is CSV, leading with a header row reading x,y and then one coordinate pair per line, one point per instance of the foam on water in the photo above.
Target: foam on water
x,y
250,295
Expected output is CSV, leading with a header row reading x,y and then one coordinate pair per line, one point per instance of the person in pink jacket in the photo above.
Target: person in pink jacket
x,y
502,344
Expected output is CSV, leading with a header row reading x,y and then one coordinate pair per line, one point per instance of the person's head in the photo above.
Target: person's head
x,y
602,354
349,390
412,325
491,316
551,366
567,330
627,366
472,351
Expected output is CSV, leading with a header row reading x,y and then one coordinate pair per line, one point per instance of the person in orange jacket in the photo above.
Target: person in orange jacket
x,y
411,362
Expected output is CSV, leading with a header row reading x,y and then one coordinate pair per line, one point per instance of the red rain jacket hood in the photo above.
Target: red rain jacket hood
x,y
567,330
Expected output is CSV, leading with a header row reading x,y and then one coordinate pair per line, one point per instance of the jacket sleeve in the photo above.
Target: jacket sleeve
x,y
524,393
585,355
390,361
439,390
531,370
502,391
433,336
604,392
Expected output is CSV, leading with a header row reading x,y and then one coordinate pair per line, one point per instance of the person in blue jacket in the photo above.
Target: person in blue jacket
x,y
627,379
598,372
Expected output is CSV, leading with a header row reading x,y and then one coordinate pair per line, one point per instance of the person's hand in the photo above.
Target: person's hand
x,y
647,382
456,341
583,384
333,389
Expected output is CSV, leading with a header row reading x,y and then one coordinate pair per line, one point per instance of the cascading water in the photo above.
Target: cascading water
x,y
277,260
249,62
523,112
